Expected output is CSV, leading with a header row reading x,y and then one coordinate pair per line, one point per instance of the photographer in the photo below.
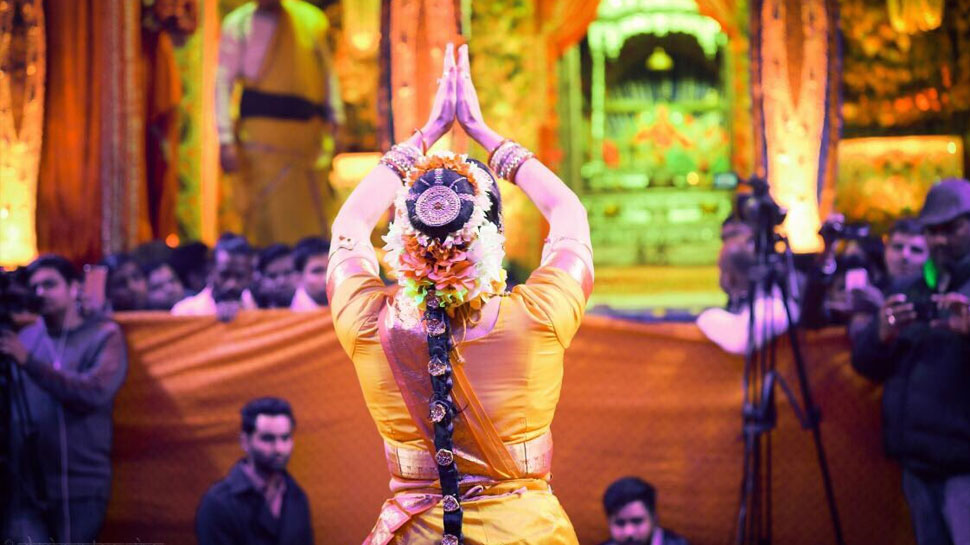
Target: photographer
x,y
918,344
730,327
841,284
68,368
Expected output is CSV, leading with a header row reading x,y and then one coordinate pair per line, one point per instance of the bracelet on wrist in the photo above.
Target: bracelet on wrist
x,y
491,152
506,159
401,158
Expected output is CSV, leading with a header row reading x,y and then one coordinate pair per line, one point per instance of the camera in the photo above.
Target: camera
x,y
757,208
15,298
926,309
836,230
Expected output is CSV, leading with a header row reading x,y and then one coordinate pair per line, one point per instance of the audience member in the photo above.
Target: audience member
x,y
258,501
904,255
227,290
164,287
631,510
153,251
918,344
126,287
855,287
735,262
729,327
734,230
906,250
276,281
311,257
846,276
69,368
191,263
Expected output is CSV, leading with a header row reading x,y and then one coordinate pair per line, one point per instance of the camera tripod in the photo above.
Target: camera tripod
x,y
770,277
23,483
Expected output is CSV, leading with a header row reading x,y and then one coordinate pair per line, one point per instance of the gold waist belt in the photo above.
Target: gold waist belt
x,y
532,458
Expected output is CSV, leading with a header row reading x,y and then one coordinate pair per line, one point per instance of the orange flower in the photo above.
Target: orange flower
x,y
454,276
453,163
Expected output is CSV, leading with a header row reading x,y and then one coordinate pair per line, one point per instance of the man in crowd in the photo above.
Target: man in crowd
x,y
904,255
277,278
290,103
311,257
69,368
227,291
258,502
729,327
918,344
126,287
190,262
906,250
164,287
631,510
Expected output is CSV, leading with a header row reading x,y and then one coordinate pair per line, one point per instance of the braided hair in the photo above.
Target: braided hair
x,y
427,214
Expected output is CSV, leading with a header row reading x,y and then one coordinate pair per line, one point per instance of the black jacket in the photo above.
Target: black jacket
x,y
234,512
70,380
669,538
926,399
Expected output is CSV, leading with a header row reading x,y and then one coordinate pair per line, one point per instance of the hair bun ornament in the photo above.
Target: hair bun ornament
x,y
437,206
441,200
445,244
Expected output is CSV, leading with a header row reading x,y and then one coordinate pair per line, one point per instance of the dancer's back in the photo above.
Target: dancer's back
x,y
512,374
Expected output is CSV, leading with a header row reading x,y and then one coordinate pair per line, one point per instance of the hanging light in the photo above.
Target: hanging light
x,y
911,16
659,60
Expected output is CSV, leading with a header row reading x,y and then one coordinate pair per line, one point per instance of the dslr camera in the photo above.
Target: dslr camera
x,y
15,299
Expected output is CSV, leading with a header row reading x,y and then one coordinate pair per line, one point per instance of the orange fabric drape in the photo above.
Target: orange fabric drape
x,y
419,31
163,86
68,192
657,401
91,196
724,12
566,22
563,23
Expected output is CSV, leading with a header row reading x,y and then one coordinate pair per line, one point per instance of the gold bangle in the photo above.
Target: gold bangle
x,y
496,148
515,170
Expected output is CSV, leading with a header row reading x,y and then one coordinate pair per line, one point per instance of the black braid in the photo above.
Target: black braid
x,y
441,406
442,411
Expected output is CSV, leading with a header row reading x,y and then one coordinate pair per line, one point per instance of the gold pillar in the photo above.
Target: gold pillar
x,y
797,59
22,70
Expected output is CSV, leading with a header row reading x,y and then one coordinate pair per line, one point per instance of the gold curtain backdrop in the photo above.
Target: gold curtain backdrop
x,y
91,192
657,401
23,67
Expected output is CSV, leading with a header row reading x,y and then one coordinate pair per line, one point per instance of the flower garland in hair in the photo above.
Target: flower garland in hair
x,y
463,268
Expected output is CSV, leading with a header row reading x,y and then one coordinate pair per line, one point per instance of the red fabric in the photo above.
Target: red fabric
x,y
657,401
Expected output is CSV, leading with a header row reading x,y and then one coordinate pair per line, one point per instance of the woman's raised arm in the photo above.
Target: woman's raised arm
x,y
568,224
375,193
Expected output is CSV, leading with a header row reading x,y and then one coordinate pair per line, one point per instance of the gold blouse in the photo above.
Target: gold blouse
x,y
516,369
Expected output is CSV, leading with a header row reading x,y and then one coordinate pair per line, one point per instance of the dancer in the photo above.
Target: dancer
x,y
461,377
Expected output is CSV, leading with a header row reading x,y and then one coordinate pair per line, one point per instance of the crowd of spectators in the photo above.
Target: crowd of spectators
x,y
193,280
904,299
